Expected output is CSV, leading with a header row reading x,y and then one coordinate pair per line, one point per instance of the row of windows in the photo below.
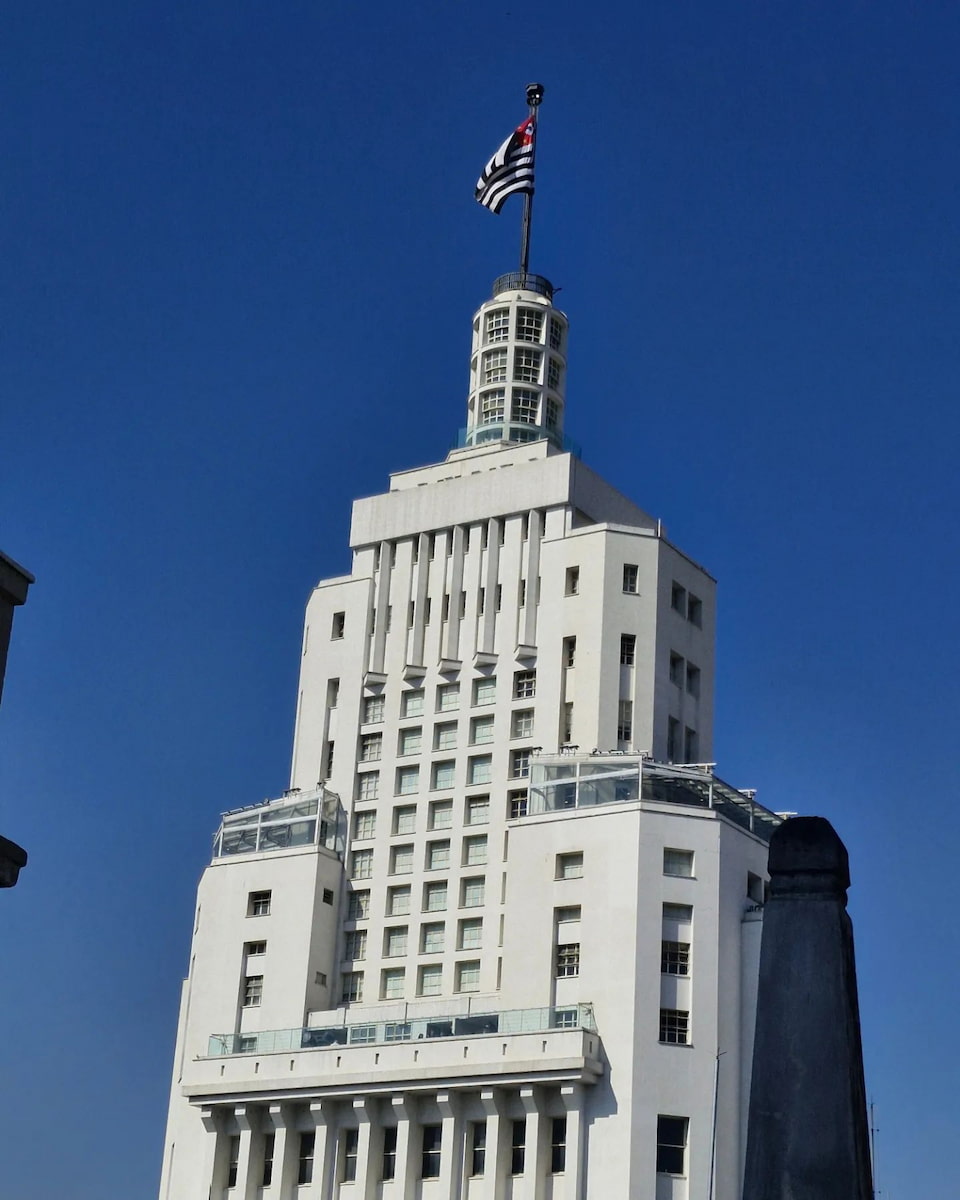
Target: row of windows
x,y
259,904
528,327
527,367
447,697
683,743
410,738
432,540
479,770
430,939
524,404
439,814
686,604
684,674
429,981
437,855
434,893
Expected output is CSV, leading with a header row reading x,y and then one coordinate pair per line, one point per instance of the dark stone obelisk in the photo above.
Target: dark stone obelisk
x,y
808,1137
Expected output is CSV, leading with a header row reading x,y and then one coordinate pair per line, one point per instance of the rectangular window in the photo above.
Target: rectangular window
x,y
252,991
405,818
395,941
572,585
554,371
438,855
233,1161
364,825
678,598
567,914
401,860
398,901
529,325
673,1026
410,740
518,1142
676,668
333,692
443,775
411,703
471,892
677,862
389,1169
480,769
258,904
556,334
468,976
568,960
397,1031
477,810
470,933
691,745
671,1145
361,864
358,906
683,913
524,405
478,1147
445,736
517,804
253,949
305,1157
673,739
628,649
674,958
570,866
441,814
553,413
351,1148
434,897
524,685
328,759
481,731
526,366
432,937
494,367
624,724
355,946
475,851
430,981
631,574
368,785
338,626
558,1145
352,992
519,764
269,1148
693,680
373,708
411,614
497,325
391,983
328,895
430,1158
371,745
485,690
408,780
521,723
694,610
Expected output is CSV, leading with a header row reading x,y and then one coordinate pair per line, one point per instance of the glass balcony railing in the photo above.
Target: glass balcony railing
x,y
516,1020
515,431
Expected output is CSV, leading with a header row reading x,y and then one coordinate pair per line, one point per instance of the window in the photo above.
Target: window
x,y
305,1157
389,1168
441,814
570,866
755,889
673,739
524,405
398,901
352,991
558,1145
361,864
674,958
529,325
494,367
443,774
408,780
430,1157
678,598
553,413
624,723
391,983
694,610
477,810
432,937
411,740
411,703
678,862
351,1147
480,769
339,624
401,860
258,904
630,577
475,851
517,804
373,710
519,764
358,906
434,897
328,895
482,601
485,690
364,825
445,736
568,960
438,855
252,991
269,1146
526,366
572,585
553,374
693,680
517,1144
405,818
682,913
471,892
355,946
328,759
676,669
430,980
333,692
252,949
481,730
567,914
397,1031
468,976
673,1026
470,933
478,1147
691,745
371,745
411,614
569,651
497,325
233,1161
395,941
524,685
368,785
556,334
671,1145
628,649
521,723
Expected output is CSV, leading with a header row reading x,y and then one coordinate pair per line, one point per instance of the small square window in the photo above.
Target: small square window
x,y
338,626
430,980
480,769
443,775
432,937
438,855
497,325
364,825
401,860
252,949
395,941
671,1145
494,366
568,960
328,895
631,574
475,851
567,915
411,703
481,731
472,892
517,804
358,905
674,958
368,785
674,1024
434,897
373,708
529,325
524,405
410,740
628,649
519,764
352,991
258,904
391,983
572,585
570,866
252,991
521,723
371,745
445,736
682,913
524,685
398,901
441,814
477,811
485,690
492,405
408,780
361,864
678,862
468,976
526,366
470,933
355,945
405,818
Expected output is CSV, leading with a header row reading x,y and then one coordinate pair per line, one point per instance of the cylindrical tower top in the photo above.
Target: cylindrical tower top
x,y
518,364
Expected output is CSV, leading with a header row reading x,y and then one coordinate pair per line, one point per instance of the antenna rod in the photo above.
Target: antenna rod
x,y
534,96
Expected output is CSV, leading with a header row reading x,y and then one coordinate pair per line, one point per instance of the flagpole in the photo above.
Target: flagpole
x,y
534,96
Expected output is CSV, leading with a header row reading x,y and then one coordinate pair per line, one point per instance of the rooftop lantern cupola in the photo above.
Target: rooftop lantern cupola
x,y
518,359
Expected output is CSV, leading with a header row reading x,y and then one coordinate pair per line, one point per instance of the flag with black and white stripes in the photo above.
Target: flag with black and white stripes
x,y
509,170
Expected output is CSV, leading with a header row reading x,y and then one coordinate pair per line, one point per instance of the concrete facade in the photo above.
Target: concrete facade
x,y
530,959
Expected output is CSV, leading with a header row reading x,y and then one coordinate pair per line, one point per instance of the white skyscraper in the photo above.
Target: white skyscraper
x,y
500,937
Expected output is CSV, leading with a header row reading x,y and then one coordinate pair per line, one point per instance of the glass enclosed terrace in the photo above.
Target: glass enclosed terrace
x,y
297,819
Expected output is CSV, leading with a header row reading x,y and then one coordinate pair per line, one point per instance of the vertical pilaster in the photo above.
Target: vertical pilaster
x,y
249,1169
363,1110
533,1182
286,1149
324,1151
451,1146
498,1141
216,1152
534,537
571,1187
408,1148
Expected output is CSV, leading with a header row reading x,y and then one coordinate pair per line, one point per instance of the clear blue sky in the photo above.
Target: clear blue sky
x,y
240,256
